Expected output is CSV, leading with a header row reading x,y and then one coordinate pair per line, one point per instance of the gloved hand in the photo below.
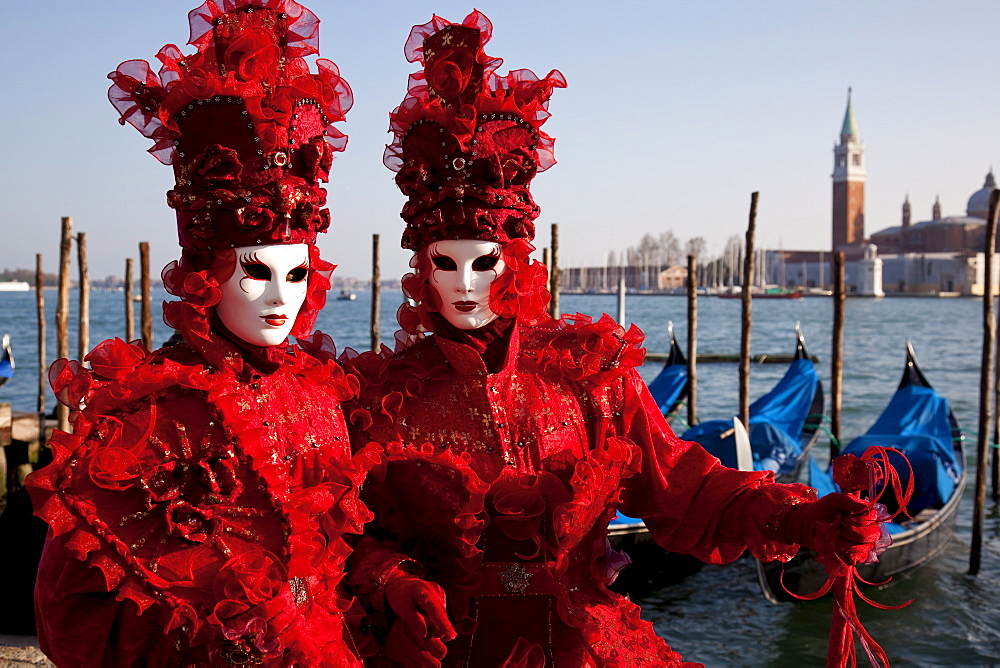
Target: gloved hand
x,y
417,636
836,526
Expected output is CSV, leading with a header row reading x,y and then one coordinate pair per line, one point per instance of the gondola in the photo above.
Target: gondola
x,y
670,387
919,422
6,360
652,567
784,423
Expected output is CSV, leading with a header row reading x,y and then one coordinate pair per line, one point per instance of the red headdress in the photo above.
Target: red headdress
x,y
249,131
243,123
467,140
467,144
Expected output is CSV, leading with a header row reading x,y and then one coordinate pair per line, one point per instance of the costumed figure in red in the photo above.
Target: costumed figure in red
x,y
511,438
199,508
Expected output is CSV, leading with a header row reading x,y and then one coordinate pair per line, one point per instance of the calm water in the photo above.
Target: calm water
x,y
955,619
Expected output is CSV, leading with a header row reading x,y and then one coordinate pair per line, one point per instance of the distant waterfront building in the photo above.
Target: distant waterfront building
x,y
940,256
940,234
870,273
650,278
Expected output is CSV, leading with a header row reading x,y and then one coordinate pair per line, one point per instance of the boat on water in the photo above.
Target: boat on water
x,y
784,423
346,296
6,360
14,286
764,293
670,387
652,566
783,427
920,423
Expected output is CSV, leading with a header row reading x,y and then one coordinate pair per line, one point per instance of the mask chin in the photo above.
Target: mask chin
x,y
468,321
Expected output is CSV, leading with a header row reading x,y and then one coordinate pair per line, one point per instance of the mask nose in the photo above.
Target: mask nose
x,y
464,284
278,292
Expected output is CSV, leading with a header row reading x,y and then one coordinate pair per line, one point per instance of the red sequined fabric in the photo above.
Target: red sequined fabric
x,y
501,486
248,127
198,513
467,141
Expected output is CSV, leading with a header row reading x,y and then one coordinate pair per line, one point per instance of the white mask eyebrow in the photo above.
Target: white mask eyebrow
x,y
432,253
250,258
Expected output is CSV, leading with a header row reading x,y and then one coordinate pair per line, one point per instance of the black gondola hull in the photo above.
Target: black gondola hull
x,y
909,551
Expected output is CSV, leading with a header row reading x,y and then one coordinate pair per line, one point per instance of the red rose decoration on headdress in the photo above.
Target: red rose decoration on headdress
x,y
218,164
448,73
317,158
252,217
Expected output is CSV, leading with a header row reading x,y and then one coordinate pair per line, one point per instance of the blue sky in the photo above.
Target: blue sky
x,y
674,114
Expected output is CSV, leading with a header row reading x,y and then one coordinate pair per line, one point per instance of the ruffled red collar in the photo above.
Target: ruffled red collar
x,y
265,359
489,341
478,352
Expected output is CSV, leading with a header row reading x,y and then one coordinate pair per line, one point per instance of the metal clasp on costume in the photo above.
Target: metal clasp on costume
x,y
516,579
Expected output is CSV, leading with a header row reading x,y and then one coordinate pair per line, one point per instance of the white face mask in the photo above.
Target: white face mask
x,y
462,271
261,300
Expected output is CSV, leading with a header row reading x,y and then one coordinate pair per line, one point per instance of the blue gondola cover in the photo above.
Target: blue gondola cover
x,y
776,423
666,388
916,423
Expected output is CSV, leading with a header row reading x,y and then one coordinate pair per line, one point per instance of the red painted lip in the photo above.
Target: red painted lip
x,y
275,320
465,307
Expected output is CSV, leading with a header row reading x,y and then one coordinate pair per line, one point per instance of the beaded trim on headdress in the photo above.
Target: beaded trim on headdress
x,y
468,141
245,123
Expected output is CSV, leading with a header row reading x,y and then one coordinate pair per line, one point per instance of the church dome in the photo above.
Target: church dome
x,y
979,203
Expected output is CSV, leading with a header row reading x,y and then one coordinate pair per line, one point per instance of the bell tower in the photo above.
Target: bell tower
x,y
848,184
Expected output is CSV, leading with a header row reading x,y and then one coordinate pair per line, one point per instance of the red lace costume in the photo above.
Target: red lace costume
x,y
508,448
199,508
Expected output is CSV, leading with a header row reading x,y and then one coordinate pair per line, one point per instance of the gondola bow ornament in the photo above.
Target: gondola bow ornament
x,y
874,474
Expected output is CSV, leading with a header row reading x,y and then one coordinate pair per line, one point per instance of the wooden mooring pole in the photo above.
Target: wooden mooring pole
x,y
547,261
147,304
745,298
621,301
692,342
40,309
985,391
995,449
376,294
837,351
62,310
554,278
129,302
995,440
83,333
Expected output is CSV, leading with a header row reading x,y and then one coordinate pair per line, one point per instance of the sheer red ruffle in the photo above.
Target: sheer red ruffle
x,y
467,142
150,101
578,349
149,490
